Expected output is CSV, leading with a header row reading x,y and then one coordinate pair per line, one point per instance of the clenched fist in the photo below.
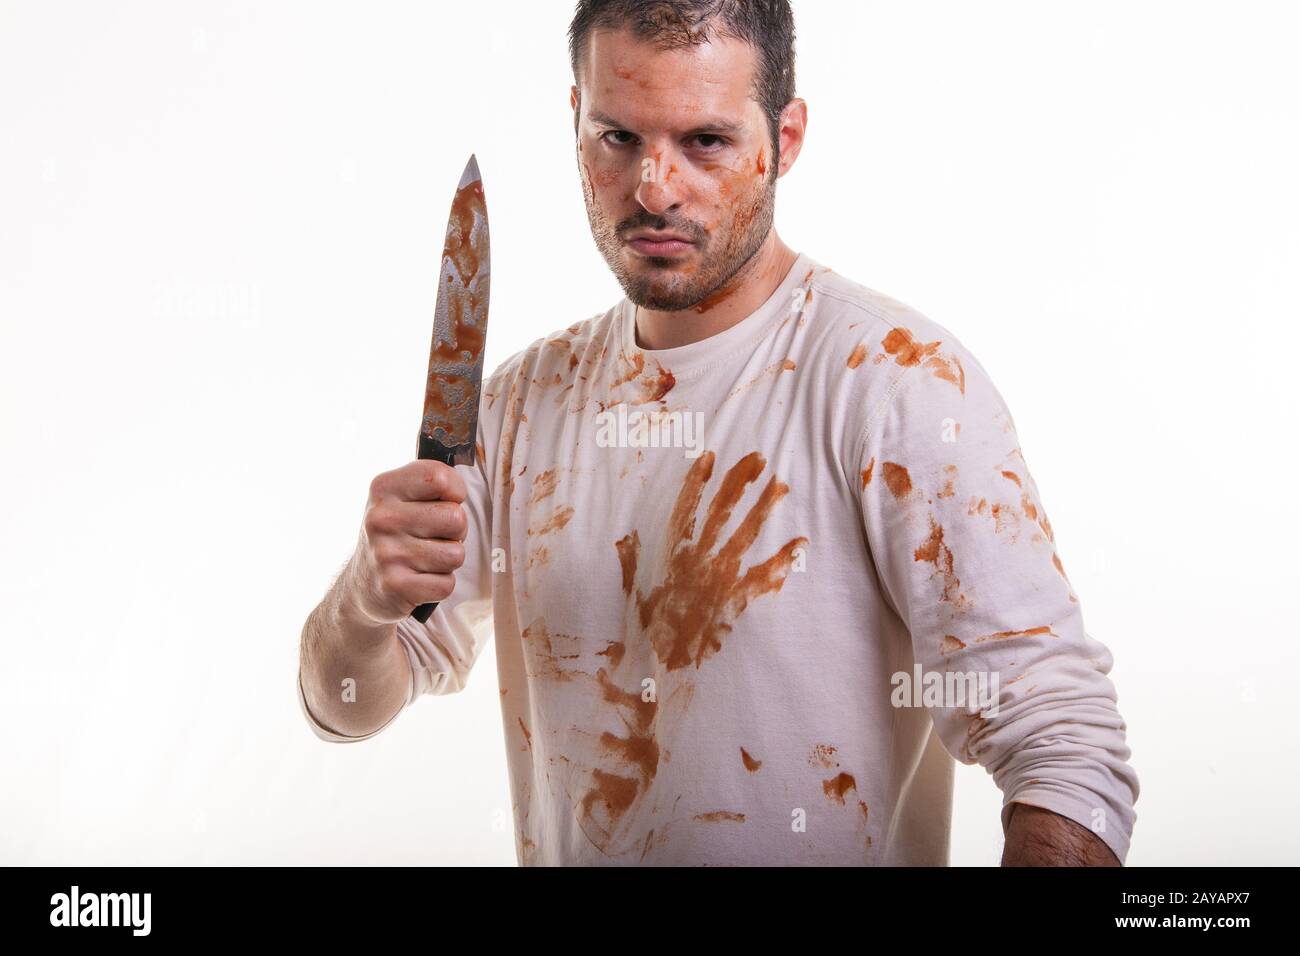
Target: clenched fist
x,y
410,542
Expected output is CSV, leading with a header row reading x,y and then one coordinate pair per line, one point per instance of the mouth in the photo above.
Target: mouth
x,y
659,244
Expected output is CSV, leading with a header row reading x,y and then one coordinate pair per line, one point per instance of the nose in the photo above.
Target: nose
x,y
660,186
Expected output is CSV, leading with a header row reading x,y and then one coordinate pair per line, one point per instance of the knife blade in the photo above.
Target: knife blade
x,y
460,314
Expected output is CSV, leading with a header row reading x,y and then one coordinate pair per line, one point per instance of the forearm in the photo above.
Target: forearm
x,y
1038,837
339,643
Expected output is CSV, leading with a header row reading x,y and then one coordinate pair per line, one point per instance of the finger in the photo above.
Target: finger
x,y
412,588
422,519
433,557
399,552
428,481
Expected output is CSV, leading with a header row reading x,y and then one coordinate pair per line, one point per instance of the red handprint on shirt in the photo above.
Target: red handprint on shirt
x,y
684,619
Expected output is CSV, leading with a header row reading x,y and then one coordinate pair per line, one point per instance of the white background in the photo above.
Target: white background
x,y
219,227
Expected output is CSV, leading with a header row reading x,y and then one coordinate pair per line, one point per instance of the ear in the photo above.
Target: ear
x,y
794,122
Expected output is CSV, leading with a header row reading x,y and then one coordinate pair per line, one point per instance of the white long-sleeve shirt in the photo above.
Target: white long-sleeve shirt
x,y
725,579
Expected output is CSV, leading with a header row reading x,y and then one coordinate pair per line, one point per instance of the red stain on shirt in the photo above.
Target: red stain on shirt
x,y
836,787
933,551
544,485
907,352
719,816
1006,635
558,519
897,479
690,611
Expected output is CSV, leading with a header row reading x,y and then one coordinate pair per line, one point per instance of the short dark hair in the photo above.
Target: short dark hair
x,y
766,25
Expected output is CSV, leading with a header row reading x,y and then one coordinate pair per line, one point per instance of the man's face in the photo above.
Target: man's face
x,y
670,142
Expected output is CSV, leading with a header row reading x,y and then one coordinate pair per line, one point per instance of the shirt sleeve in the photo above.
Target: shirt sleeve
x,y
443,649
967,558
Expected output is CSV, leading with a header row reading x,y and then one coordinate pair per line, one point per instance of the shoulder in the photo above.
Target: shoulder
x,y
556,353
879,352
867,329
505,393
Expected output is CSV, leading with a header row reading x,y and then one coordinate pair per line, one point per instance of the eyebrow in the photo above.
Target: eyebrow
x,y
711,125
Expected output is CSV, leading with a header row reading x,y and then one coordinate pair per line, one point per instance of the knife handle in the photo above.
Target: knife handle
x,y
430,449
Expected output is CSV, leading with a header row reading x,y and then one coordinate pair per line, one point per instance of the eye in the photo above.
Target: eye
x,y
615,132
717,144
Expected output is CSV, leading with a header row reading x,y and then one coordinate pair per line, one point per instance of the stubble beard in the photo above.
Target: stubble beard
x,y
661,283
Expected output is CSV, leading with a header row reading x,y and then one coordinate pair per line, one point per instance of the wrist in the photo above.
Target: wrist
x,y
350,619
1040,837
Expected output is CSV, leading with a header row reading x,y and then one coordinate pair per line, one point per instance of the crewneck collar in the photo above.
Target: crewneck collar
x,y
732,344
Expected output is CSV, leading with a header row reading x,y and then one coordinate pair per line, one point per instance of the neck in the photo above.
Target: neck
x,y
744,292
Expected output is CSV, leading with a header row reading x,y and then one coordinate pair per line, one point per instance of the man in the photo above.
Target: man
x,y
742,537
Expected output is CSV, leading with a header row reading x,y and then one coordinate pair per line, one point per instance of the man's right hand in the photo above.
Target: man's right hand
x,y
410,541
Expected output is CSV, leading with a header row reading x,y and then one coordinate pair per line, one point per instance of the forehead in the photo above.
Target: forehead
x,y
643,85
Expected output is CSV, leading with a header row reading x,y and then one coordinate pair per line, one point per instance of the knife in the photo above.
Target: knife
x,y
460,314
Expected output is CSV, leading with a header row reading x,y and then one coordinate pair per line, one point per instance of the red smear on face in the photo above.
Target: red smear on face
x,y
648,159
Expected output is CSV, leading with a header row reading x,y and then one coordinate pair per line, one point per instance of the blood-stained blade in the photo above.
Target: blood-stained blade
x,y
451,395
451,392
